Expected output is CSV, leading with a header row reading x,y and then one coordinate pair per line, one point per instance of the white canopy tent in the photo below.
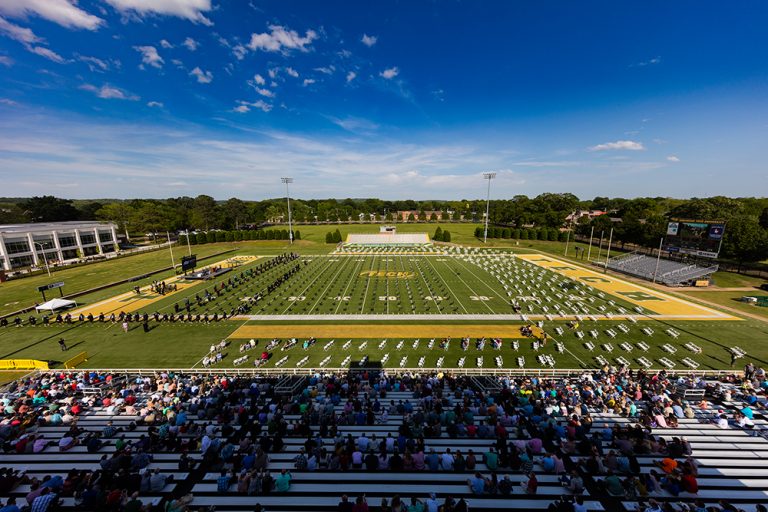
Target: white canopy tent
x,y
54,304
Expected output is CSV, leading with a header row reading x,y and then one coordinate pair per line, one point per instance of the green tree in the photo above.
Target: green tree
x,y
446,236
202,238
523,234
50,209
506,233
229,236
329,237
552,235
204,212
221,236
764,218
411,217
744,239
210,237
438,234
478,232
118,213
433,217
297,235
234,211
337,236
516,233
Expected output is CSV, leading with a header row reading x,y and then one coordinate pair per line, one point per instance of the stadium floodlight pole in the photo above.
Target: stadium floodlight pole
x,y
487,176
45,257
288,199
658,258
170,248
589,251
608,254
568,239
189,246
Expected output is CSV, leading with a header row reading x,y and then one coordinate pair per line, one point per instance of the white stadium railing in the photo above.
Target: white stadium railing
x,y
512,372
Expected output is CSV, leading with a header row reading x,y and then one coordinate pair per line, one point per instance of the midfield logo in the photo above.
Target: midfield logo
x,y
387,275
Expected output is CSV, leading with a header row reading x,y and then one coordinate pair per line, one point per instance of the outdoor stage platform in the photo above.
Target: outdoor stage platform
x,y
206,274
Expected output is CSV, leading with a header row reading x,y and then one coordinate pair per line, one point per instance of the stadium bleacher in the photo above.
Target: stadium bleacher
x,y
670,273
146,423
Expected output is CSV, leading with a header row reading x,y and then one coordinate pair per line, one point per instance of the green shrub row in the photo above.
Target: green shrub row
x,y
237,236
551,234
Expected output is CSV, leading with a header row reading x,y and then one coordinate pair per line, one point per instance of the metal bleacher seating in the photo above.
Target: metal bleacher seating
x,y
670,273
731,467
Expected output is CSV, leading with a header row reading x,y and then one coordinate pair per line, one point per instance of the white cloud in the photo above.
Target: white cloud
x,y
438,94
265,92
280,39
672,158
309,81
6,101
191,44
326,70
17,33
94,63
191,10
629,145
6,61
63,12
259,79
109,92
351,76
150,56
292,72
239,51
355,124
245,106
157,104
203,77
390,73
272,73
165,44
369,40
47,53
649,62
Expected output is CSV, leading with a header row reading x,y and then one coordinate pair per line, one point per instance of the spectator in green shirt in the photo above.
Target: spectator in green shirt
x,y
491,459
283,482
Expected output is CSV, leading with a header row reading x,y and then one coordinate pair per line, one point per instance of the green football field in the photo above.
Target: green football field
x,y
380,291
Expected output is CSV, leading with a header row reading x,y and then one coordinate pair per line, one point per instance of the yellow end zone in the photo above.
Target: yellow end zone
x,y
648,298
379,331
130,301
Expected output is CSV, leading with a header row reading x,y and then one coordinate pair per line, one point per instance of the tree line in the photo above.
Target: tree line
x,y
642,220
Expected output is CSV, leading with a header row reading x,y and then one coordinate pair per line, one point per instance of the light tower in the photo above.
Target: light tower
x,y
288,198
487,176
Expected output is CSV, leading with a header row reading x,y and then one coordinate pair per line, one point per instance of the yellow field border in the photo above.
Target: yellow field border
x,y
379,331
650,299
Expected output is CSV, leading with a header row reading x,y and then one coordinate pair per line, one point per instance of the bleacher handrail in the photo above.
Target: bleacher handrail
x,y
282,372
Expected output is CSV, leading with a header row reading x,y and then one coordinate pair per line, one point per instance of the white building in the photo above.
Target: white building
x,y
25,245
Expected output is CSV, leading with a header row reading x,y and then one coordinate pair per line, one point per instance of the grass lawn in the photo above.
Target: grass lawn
x,y
731,300
333,284
183,345
20,293
733,280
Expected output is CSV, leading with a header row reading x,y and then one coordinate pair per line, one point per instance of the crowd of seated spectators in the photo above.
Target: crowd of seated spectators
x,y
230,426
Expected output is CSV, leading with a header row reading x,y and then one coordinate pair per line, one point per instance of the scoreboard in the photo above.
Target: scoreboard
x,y
188,262
698,238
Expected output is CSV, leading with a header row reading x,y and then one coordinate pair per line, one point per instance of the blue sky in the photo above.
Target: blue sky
x,y
395,99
